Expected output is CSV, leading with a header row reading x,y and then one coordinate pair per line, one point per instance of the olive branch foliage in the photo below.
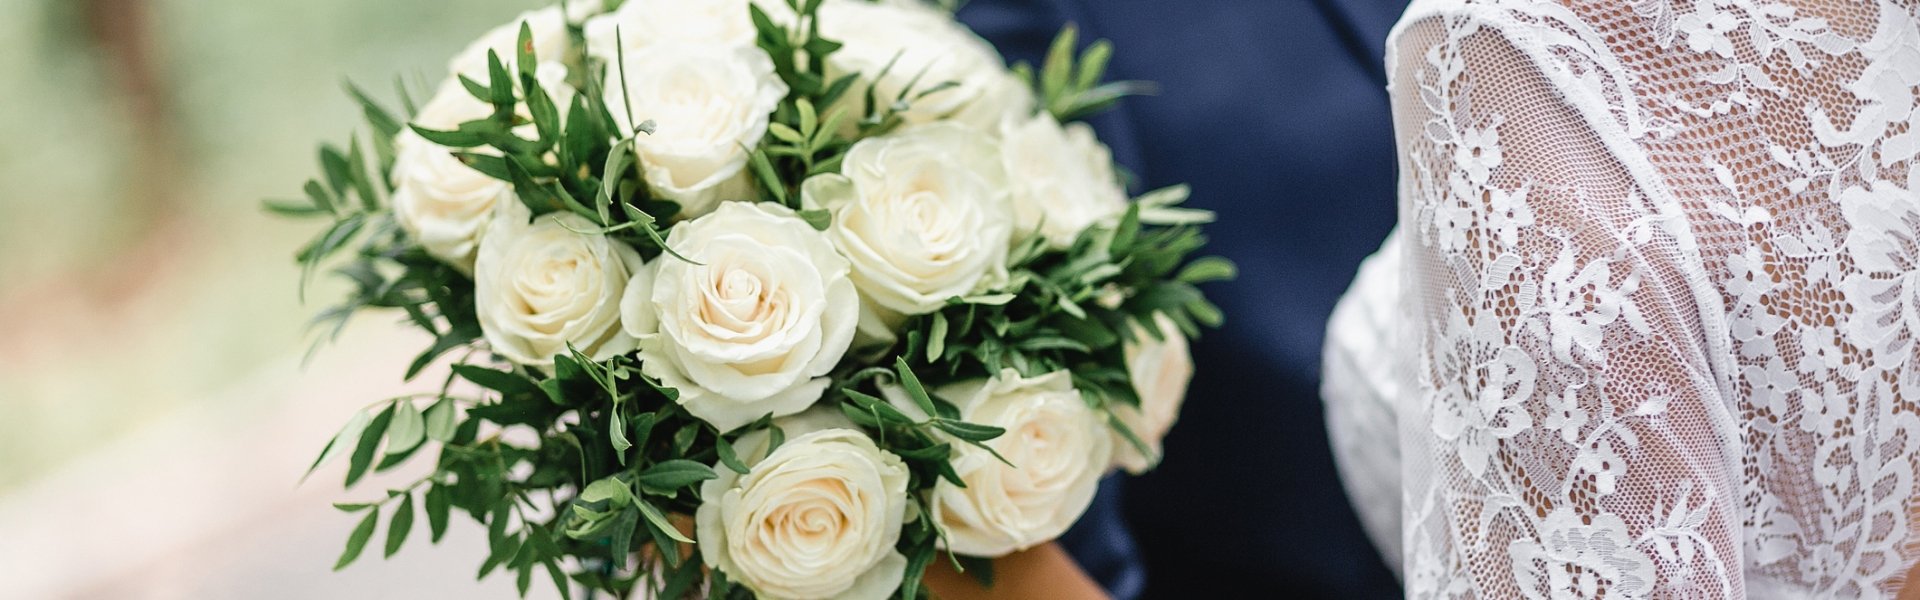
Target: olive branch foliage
x,y
589,498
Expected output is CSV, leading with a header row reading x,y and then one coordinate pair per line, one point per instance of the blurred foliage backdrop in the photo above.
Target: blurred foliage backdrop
x,y
137,274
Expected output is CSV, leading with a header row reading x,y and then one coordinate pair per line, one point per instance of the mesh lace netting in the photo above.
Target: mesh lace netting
x,y
1652,306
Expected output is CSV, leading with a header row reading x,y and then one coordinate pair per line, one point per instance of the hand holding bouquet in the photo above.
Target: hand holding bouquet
x,y
822,277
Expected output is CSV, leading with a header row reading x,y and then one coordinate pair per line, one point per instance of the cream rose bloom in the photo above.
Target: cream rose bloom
x,y
543,285
709,104
924,39
922,215
816,518
752,329
642,23
1063,180
443,203
1160,369
550,43
1059,448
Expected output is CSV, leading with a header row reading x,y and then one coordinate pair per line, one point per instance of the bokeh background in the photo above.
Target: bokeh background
x,y
156,406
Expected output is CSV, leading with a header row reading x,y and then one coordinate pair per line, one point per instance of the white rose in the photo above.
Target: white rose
x,y
550,43
1063,180
1059,448
439,200
443,203
1160,369
816,518
709,104
541,286
752,329
923,39
642,23
922,215
1003,98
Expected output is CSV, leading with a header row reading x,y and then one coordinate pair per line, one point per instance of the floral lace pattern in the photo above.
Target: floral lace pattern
x,y
1659,299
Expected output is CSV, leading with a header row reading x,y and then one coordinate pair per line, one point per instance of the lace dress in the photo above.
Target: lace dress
x,y
1650,327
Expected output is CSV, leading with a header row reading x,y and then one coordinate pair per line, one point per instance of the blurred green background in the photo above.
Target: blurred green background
x,y
155,414
137,273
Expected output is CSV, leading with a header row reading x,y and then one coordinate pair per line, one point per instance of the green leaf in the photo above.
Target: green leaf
x,y
460,138
936,452
338,171
610,490
972,432
442,420
1125,233
512,384
381,120
438,503
623,526
407,429
491,165
1093,64
1054,73
819,218
671,475
453,338
659,522
1164,197
642,426
546,116
1210,268
1205,312
357,541
523,52
349,434
683,439
681,581
293,208
559,577
476,89
362,183
617,432
769,179
912,384
1052,342
861,416
335,238
809,118
989,299
499,88
786,134
369,442
877,408
401,525
937,337
728,457
921,556
320,196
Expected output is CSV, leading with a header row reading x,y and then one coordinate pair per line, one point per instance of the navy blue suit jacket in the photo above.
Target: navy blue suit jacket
x,y
1275,111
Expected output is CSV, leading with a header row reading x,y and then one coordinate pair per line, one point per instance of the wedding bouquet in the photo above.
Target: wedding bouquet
x,y
775,298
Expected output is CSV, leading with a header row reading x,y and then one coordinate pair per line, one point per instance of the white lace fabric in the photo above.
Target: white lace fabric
x,y
1653,330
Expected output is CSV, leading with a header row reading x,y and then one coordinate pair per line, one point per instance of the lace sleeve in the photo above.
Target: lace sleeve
x,y
1566,434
